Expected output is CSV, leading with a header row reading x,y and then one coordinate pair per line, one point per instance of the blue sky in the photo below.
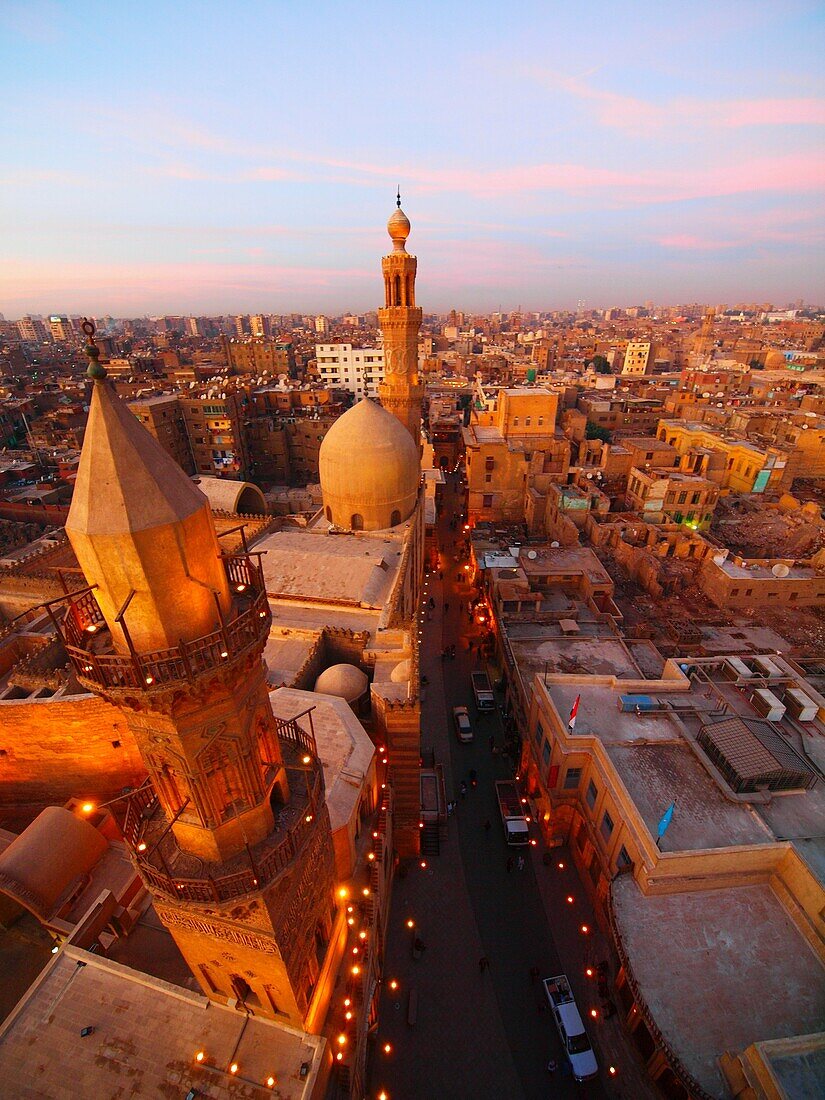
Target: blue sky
x,y
203,157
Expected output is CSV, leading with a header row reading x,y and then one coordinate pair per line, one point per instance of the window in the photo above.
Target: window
x,y
357,522
527,422
606,826
592,794
488,478
681,498
734,592
545,753
515,421
572,778
624,859
395,518
541,421
488,500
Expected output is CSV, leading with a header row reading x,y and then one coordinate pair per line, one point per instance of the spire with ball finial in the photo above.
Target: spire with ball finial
x,y
94,370
398,226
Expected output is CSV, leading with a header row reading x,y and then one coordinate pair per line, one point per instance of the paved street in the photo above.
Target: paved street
x,y
483,1034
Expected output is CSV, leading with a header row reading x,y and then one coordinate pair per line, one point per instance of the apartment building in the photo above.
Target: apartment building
x,y
163,418
669,496
359,370
748,467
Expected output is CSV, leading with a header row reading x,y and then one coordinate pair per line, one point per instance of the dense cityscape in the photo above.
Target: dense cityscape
x,y
412,552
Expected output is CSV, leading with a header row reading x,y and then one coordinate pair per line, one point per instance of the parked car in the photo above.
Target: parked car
x,y
463,726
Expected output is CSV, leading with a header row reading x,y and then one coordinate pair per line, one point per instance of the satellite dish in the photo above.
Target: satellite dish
x,y
589,477
555,545
706,394
532,555
780,570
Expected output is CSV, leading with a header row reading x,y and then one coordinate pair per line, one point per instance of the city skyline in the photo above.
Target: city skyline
x,y
175,164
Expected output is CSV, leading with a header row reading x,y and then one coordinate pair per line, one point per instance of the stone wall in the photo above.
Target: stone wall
x,y
55,749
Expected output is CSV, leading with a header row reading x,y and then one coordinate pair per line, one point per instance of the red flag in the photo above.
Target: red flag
x,y
573,713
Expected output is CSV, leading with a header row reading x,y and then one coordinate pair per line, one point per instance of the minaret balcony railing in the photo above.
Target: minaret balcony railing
x,y
246,627
176,874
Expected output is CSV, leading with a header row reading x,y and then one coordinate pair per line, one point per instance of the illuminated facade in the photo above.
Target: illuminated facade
x,y
230,832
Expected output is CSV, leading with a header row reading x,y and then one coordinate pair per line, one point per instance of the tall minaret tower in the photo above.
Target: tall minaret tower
x,y
230,831
400,319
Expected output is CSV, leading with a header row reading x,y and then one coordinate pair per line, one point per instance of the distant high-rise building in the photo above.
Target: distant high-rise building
x,y
358,370
321,325
61,329
32,330
259,325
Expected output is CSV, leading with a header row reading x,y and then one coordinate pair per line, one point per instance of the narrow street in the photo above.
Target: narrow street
x,y
480,1033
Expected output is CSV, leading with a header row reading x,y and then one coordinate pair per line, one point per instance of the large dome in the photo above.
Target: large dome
x,y
345,681
370,469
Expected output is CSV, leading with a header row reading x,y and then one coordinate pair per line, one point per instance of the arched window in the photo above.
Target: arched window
x,y
357,522
329,513
395,518
398,290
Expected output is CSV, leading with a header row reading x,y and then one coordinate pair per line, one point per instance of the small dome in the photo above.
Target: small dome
x,y
344,681
775,360
369,468
401,673
398,228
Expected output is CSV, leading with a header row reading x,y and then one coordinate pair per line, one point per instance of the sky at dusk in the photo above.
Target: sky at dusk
x,y
209,158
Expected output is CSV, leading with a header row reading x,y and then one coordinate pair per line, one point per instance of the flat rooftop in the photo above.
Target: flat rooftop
x,y
315,567
145,1036
739,942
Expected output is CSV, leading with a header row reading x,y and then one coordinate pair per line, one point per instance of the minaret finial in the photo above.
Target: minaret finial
x,y
94,370
398,197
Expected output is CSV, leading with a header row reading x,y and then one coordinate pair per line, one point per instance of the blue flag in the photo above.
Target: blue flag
x,y
667,817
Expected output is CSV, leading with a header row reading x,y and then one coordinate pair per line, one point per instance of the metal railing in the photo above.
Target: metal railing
x,y
83,621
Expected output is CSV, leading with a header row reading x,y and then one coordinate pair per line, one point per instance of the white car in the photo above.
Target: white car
x,y
463,727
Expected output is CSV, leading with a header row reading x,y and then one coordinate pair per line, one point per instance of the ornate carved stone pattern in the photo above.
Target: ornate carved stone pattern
x,y
308,896
171,917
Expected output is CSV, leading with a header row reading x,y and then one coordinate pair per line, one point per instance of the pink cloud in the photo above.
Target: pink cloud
x,y
643,117
694,244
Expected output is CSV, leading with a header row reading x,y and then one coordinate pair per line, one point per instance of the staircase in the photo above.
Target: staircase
x,y
430,839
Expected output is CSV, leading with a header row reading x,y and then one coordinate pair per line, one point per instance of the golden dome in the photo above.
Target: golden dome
x,y
398,228
369,468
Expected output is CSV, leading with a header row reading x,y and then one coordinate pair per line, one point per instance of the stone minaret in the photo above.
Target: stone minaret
x,y
400,320
230,832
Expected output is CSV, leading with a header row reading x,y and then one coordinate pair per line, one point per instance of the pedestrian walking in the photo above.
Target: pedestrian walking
x,y
483,964
509,864
463,789
521,863
552,1065
487,825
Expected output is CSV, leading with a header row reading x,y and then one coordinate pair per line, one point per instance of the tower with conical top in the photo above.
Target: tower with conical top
x,y
230,831
400,320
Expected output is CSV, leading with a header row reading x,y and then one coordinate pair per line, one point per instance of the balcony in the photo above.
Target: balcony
x,y
88,642
177,874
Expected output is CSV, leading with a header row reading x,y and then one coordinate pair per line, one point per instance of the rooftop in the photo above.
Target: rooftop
x,y
144,1036
738,942
342,568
